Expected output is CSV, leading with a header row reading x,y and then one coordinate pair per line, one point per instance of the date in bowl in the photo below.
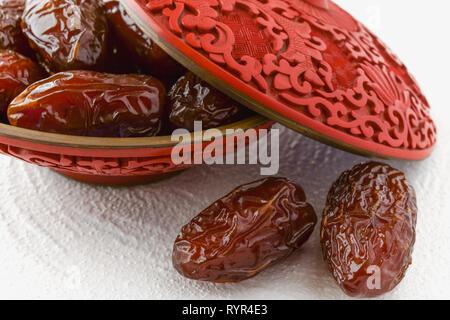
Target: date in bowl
x,y
113,161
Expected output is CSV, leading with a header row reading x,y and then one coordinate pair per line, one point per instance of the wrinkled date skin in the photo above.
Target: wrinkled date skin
x,y
11,35
244,232
192,99
368,229
87,103
67,34
138,45
16,73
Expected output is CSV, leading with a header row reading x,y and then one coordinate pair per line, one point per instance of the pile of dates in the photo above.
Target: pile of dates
x,y
367,230
83,67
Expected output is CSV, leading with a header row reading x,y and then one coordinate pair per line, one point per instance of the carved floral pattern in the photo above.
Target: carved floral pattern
x,y
157,161
95,165
323,64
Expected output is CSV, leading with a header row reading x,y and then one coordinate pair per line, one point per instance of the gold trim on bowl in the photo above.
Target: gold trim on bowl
x,y
54,139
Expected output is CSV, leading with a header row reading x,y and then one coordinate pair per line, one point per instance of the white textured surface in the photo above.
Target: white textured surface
x,y
63,239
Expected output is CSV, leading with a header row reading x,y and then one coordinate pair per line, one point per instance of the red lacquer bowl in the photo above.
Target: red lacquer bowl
x,y
306,64
111,161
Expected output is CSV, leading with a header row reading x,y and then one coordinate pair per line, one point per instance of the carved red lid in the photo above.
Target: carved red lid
x,y
307,64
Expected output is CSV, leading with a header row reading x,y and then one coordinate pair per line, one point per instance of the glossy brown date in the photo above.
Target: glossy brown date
x,y
67,34
11,35
140,47
16,73
368,229
119,61
192,99
87,103
241,234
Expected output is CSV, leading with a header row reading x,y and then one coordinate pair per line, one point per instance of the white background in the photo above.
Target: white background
x,y
63,239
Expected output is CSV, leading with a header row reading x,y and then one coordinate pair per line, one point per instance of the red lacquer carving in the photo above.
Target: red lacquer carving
x,y
118,166
95,165
317,62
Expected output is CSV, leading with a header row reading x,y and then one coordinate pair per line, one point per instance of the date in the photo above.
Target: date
x,y
67,34
241,234
16,73
119,61
11,35
368,229
143,50
192,99
88,103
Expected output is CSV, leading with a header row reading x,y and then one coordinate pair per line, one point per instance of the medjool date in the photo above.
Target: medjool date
x,y
192,99
244,232
67,34
143,50
87,103
11,36
16,73
368,229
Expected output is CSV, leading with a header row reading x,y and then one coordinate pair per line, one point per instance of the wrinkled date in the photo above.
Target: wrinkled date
x,y
192,99
16,73
244,232
368,229
138,45
11,36
67,34
87,103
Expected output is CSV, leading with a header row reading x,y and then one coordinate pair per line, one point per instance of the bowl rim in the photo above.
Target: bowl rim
x,y
54,139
